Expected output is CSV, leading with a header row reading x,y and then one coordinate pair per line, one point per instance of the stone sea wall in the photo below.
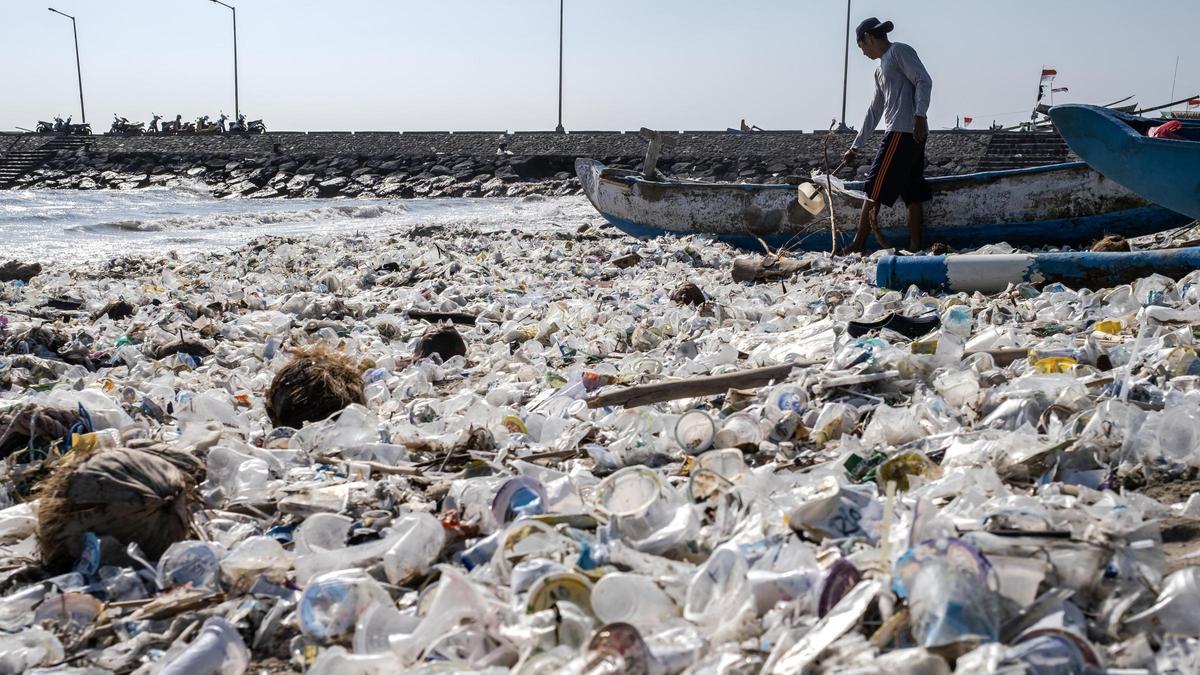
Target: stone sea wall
x,y
468,164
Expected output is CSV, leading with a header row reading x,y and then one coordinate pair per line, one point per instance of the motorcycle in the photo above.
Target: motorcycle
x,y
153,129
123,126
45,127
254,127
72,129
203,126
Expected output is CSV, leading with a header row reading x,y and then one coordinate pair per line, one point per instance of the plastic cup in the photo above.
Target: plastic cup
x,y
633,599
739,430
634,498
695,431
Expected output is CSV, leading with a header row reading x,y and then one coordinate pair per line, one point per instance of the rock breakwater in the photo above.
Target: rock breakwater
x,y
428,165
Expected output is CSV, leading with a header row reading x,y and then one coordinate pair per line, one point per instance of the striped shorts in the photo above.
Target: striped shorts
x,y
898,171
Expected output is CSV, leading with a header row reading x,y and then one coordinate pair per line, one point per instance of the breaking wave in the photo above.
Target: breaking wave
x,y
244,220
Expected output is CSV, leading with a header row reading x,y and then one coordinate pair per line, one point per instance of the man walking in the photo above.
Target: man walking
x,y
902,91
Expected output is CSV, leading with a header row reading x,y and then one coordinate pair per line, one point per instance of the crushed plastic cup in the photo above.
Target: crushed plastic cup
x,y
635,499
520,496
720,591
1177,609
786,398
948,585
416,543
191,563
332,603
218,648
618,649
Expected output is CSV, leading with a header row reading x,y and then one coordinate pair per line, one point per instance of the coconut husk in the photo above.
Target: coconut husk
x,y
315,384
1112,243
124,496
33,423
443,340
688,294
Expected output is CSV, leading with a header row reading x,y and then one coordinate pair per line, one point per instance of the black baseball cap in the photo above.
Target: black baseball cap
x,y
872,25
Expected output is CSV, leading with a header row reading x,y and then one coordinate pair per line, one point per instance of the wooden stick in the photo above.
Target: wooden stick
x,y
434,317
833,230
646,394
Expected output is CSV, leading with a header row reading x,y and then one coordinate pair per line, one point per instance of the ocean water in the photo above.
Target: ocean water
x,y
75,226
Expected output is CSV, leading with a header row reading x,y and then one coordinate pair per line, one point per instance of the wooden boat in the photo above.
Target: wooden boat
x,y
1055,205
1166,172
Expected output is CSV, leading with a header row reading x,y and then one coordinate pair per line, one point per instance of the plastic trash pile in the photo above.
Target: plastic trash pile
x,y
1008,489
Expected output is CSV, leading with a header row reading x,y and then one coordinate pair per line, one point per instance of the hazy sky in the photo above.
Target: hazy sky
x,y
492,64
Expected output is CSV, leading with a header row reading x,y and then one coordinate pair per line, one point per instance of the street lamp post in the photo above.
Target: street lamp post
x,y
560,128
846,70
236,108
78,70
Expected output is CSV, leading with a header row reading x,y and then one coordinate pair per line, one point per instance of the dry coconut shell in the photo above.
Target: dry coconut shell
x,y
443,340
122,495
688,294
315,384
1111,243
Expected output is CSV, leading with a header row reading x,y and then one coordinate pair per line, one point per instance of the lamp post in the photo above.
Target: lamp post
x,y
236,108
846,70
78,70
559,128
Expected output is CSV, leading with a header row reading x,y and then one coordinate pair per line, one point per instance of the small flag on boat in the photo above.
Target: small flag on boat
x,y
967,121
1048,74
1194,103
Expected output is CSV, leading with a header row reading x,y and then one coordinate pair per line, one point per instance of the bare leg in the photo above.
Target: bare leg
x,y
864,226
916,225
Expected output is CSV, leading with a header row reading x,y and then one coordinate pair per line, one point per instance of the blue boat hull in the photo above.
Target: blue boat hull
x,y
1061,232
1166,172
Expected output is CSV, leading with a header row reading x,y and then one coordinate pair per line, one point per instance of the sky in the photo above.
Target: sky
x,y
368,65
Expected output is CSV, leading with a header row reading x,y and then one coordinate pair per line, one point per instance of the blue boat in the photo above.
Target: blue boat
x,y
1057,205
1165,172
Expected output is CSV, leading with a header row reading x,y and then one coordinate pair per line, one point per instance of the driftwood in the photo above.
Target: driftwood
x,y
766,269
645,394
461,318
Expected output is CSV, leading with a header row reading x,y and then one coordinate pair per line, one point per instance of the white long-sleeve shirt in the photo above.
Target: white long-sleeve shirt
x,y
902,91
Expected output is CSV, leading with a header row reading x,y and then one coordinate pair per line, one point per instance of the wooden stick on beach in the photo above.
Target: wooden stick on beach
x,y
645,394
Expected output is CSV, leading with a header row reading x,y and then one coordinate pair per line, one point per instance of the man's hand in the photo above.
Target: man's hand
x,y
920,129
850,155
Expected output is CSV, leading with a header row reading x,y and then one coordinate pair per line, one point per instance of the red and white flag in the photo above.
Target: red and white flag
x,y
1048,75
967,121
1194,103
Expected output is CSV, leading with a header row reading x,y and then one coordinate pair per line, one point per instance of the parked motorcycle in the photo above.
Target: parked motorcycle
x,y
153,129
254,127
45,127
123,126
72,129
203,126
